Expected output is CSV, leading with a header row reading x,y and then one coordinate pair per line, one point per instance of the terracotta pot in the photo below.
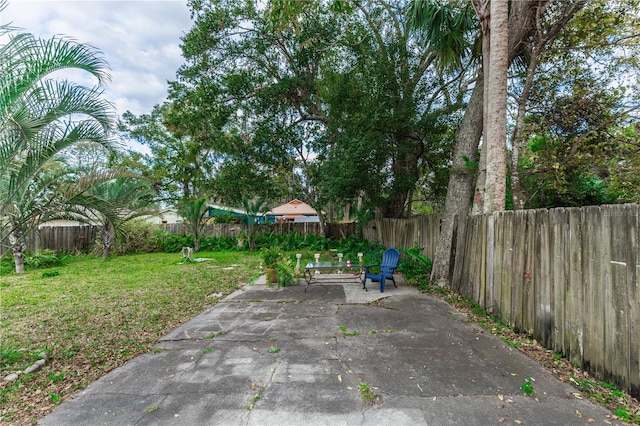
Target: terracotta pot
x,y
271,275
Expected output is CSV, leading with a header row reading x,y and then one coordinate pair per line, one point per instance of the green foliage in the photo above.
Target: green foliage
x,y
353,88
226,218
38,124
194,211
284,271
9,355
274,258
416,267
212,243
44,259
135,236
352,245
173,243
271,256
346,333
366,392
578,151
527,387
293,241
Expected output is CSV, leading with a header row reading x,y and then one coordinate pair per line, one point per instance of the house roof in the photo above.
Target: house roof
x,y
292,208
224,209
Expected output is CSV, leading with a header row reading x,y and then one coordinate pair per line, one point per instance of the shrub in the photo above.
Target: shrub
x,y
44,259
271,256
137,236
284,271
351,246
173,243
218,244
416,266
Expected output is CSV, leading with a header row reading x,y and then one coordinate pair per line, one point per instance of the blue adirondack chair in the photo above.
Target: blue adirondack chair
x,y
390,259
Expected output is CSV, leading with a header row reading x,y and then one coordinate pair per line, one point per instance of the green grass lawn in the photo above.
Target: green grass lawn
x,y
91,316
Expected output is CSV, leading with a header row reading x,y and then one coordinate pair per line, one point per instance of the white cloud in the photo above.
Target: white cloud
x,y
140,40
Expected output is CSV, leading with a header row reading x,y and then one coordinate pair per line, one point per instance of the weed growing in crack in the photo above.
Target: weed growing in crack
x,y
345,333
367,394
527,387
255,386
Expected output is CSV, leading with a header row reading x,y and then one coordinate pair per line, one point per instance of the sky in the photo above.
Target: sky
x,y
140,40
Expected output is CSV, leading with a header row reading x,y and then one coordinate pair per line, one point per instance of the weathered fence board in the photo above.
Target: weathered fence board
x,y
419,230
568,276
632,222
62,239
559,262
574,301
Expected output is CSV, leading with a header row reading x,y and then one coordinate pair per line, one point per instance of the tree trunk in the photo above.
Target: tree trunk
x,y
482,11
108,237
460,186
469,133
496,135
196,242
16,240
321,222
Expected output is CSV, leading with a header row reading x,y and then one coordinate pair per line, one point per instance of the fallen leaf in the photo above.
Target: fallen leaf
x,y
340,378
577,395
518,422
501,420
579,414
501,397
590,420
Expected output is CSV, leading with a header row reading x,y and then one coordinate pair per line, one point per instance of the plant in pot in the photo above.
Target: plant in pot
x,y
284,271
270,257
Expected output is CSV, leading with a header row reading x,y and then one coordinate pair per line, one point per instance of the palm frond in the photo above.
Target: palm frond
x,y
446,27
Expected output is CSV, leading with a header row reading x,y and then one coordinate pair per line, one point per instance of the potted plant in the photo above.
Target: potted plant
x,y
284,271
270,257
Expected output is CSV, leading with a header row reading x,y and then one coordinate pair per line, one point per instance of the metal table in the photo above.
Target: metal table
x,y
312,267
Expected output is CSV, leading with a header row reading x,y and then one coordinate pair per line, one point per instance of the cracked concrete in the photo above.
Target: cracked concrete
x,y
267,356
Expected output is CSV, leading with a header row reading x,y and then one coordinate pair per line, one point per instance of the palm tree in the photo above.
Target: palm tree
x,y
194,210
112,203
41,116
448,27
30,206
253,208
57,192
496,114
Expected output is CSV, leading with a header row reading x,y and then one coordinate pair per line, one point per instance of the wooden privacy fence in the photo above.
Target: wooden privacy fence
x,y
62,239
568,276
420,230
73,239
